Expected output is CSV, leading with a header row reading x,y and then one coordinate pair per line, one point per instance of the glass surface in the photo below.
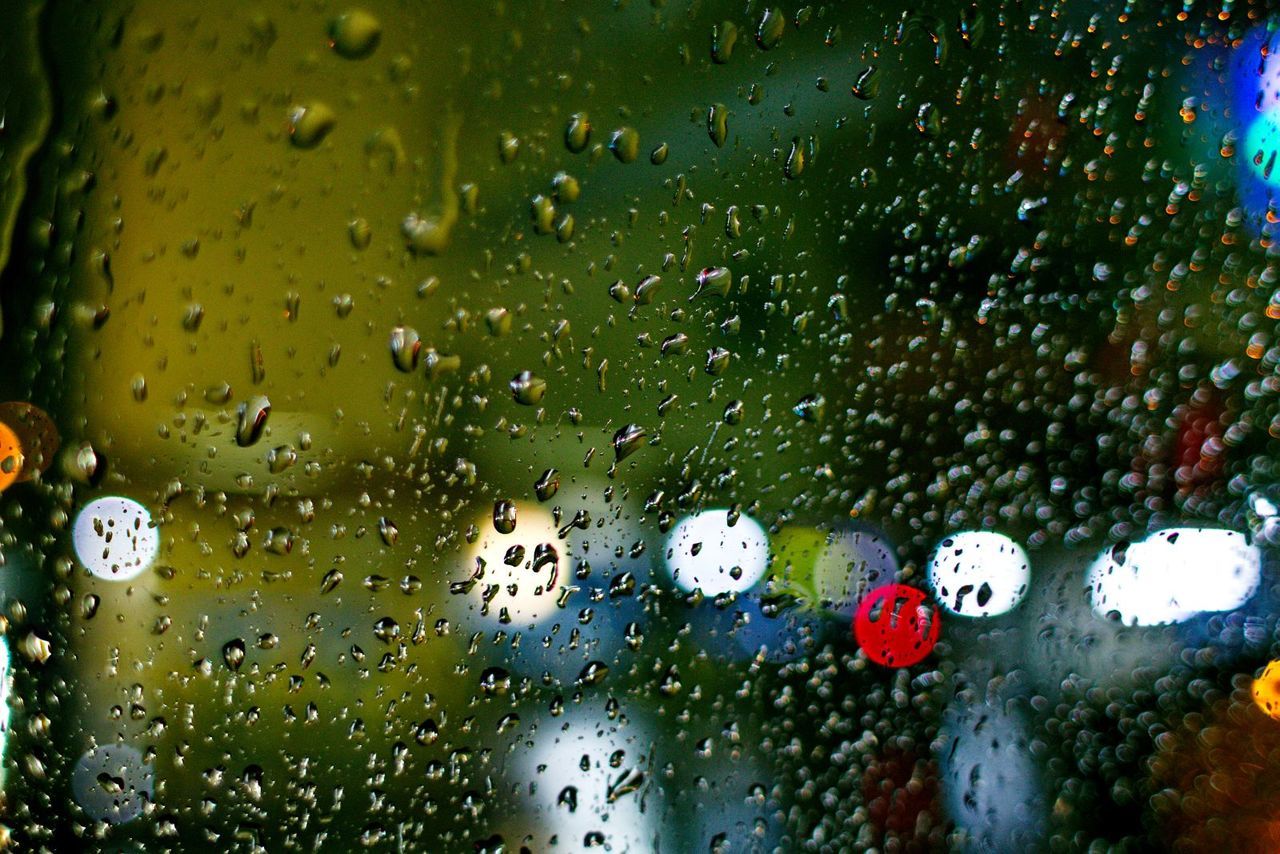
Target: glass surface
x,y
664,425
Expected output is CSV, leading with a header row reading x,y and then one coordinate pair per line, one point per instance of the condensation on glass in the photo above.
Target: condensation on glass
x,y
664,425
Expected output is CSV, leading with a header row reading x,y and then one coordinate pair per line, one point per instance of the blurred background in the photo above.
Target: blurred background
x,y
665,425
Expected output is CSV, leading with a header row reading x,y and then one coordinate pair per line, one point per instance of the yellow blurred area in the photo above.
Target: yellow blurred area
x,y
228,247
795,551
1266,690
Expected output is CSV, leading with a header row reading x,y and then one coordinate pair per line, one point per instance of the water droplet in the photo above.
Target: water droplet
x,y
388,531
508,146
279,541
714,281
543,211
594,673
568,797
732,223
343,304
360,232
386,629
310,123
354,34
331,579
528,388
867,86
405,348
192,317
233,653
810,407
504,516
547,485
426,235
577,133
675,344
622,585
717,361
625,144
544,554
928,122
723,37
718,124
281,458
647,289
564,228
257,366
84,463
795,160
252,420
566,187
427,732
627,441
772,25
495,680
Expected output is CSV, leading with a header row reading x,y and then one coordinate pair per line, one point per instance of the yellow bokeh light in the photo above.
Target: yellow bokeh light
x,y
1266,690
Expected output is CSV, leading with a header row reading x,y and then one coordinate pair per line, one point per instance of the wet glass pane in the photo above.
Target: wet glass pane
x,y
648,425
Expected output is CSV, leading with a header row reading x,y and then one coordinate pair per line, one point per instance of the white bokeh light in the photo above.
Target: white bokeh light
x,y
1173,575
113,783
991,783
705,551
979,574
527,594
601,761
115,539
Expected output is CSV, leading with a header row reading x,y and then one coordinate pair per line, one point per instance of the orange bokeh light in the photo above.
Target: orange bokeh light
x,y
10,456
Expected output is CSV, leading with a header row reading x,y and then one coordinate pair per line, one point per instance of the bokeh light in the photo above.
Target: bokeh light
x,y
115,539
10,456
37,438
585,772
1173,575
1266,690
854,561
524,571
704,551
991,783
1254,106
895,627
113,783
979,574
